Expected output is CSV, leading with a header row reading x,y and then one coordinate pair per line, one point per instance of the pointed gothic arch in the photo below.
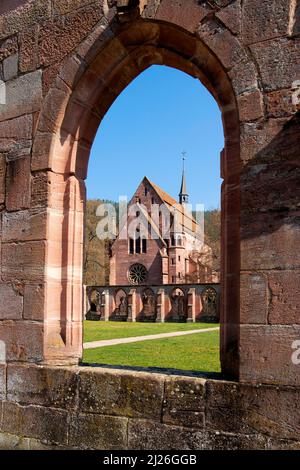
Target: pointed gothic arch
x,y
84,89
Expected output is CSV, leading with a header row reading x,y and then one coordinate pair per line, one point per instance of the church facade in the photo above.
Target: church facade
x,y
160,242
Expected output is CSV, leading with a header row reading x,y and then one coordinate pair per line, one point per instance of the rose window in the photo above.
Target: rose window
x,y
137,274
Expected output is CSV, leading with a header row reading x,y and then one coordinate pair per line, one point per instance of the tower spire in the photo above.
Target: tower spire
x,y
183,195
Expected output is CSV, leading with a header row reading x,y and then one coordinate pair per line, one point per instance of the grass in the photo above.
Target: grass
x,y
97,331
195,352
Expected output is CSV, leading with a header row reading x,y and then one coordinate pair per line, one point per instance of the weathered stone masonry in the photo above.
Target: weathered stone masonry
x,y
115,409
63,64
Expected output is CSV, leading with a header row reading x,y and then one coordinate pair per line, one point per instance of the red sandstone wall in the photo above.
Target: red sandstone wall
x,y
63,64
151,260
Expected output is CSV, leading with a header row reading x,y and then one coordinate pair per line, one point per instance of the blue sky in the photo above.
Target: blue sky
x,y
162,113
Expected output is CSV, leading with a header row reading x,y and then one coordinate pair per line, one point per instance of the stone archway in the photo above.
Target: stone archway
x,y
101,50
80,98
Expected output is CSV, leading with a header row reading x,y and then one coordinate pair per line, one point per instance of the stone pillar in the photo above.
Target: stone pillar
x,y
132,306
105,305
191,318
167,304
160,306
87,302
62,293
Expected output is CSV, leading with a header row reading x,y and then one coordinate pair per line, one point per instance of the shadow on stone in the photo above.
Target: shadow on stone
x,y
159,370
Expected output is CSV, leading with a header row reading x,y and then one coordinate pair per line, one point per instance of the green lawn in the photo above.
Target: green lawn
x,y
97,331
195,352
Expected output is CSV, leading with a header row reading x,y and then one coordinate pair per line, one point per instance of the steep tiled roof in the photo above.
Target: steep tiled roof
x,y
170,201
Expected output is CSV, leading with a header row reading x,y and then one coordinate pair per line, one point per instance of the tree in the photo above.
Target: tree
x,y
96,253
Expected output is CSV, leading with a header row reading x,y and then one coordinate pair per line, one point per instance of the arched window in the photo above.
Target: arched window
x,y
138,245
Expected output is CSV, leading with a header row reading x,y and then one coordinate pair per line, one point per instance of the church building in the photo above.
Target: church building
x,y
160,242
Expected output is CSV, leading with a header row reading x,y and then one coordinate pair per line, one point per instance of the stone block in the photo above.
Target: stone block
x,y
54,110
91,431
284,293
264,20
18,181
253,298
62,7
184,402
171,10
94,42
45,386
280,104
244,77
260,141
269,196
145,435
72,70
34,302
15,139
40,187
11,307
278,249
23,261
24,17
224,44
11,67
28,54
278,62
66,192
12,442
45,424
61,35
124,394
27,225
41,148
8,47
17,129
50,76
231,16
249,409
232,441
36,444
23,96
250,106
266,354
23,340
